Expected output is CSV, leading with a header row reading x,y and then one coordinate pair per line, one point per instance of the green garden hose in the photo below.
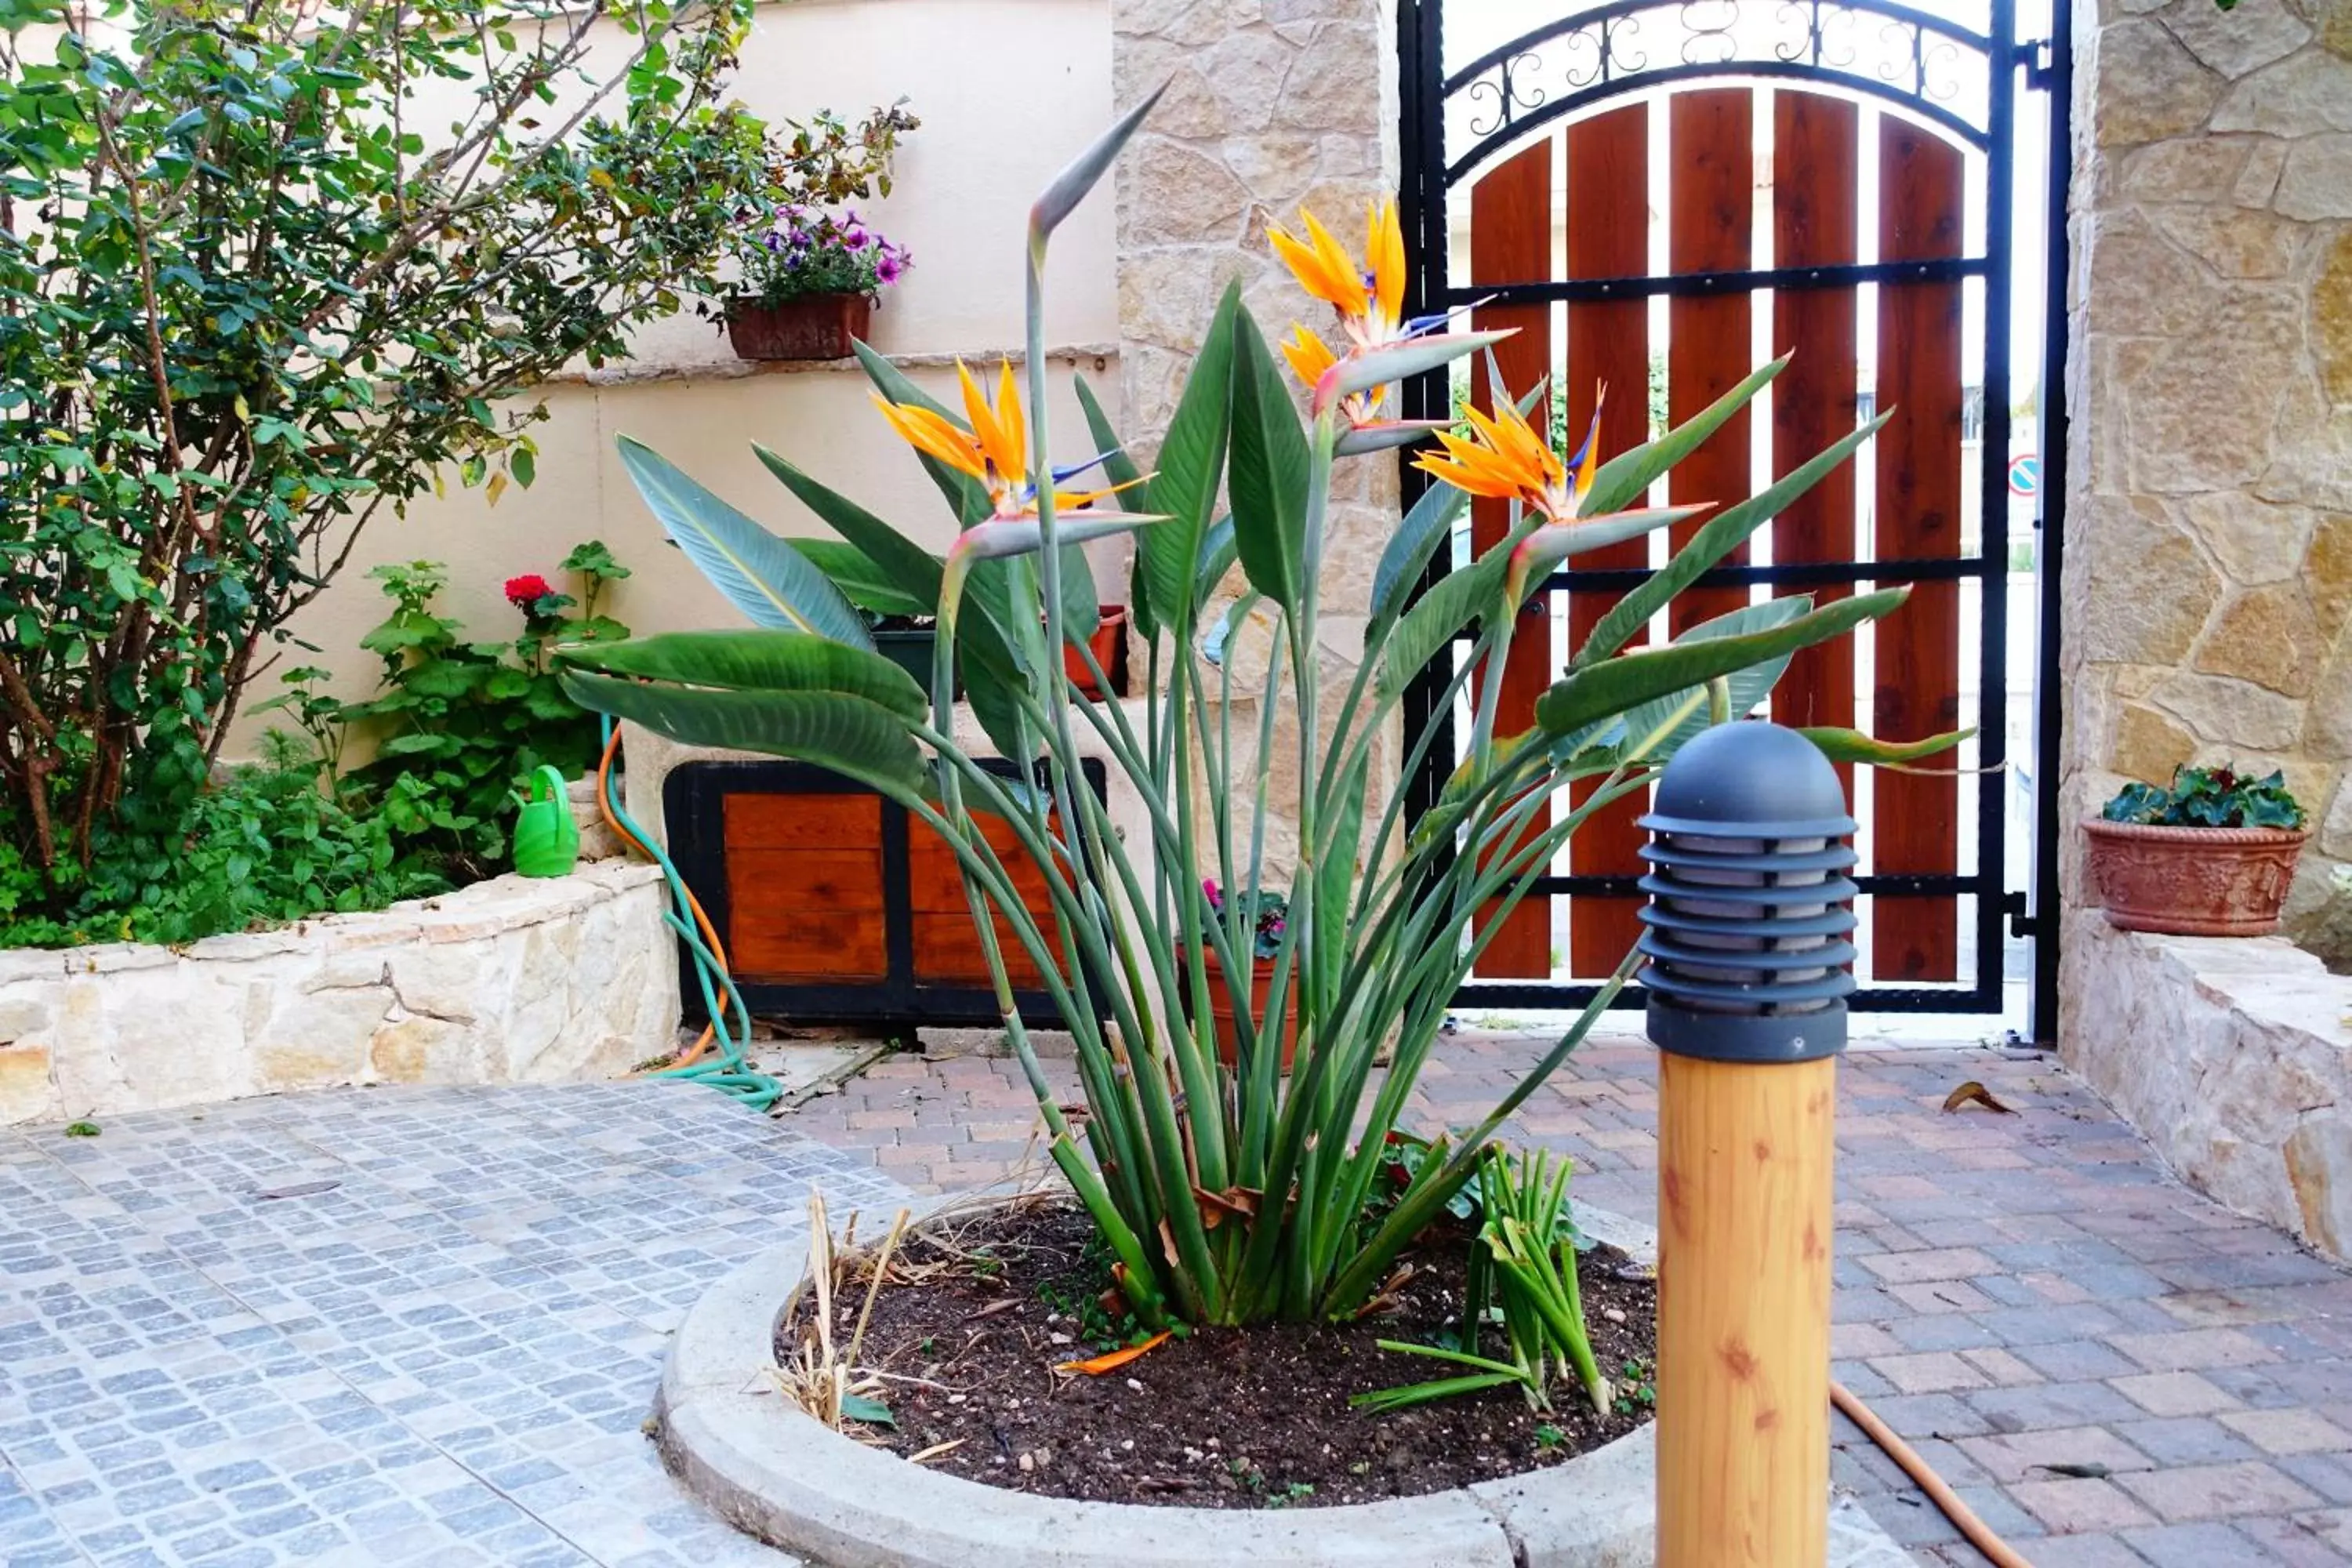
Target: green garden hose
x,y
731,1070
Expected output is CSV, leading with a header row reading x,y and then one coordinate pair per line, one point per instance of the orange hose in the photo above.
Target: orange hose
x,y
1997,1552
701,1047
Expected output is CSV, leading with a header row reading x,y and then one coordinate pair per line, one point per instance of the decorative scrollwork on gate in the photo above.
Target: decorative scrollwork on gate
x,y
1925,63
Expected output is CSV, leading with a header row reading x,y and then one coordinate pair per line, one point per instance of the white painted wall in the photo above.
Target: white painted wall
x,y
1007,90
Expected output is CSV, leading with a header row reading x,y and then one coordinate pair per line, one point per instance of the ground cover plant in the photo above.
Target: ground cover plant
x,y
1233,1195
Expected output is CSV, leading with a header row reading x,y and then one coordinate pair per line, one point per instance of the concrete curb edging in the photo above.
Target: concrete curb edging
x,y
734,1442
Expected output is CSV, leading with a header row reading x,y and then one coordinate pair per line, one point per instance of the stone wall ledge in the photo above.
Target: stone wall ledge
x,y
2233,1059
515,980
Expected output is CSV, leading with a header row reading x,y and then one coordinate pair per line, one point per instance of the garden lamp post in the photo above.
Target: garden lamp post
x,y
1749,967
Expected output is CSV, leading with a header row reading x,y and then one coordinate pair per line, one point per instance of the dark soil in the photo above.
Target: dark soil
x,y
1223,1417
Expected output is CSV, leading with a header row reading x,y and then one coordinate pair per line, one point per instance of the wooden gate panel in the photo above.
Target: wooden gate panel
x,y
1916,818
1608,344
1815,223
1510,237
1710,228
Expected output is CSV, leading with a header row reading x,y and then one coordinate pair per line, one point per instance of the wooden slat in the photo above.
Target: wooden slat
x,y
948,951
1608,344
935,881
803,879
777,939
1816,191
803,821
1914,820
1710,228
1510,242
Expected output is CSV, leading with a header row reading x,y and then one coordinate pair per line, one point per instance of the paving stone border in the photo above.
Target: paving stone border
x,y
515,980
739,1446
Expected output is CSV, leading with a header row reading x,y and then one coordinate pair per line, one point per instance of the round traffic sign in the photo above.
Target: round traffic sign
x,y
2025,475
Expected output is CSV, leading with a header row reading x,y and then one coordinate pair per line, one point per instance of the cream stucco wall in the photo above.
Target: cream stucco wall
x,y
1006,92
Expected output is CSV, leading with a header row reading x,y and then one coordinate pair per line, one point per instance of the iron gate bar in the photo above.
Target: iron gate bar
x,y
1905,884
1946,270
1428,176
2045,924
1915,569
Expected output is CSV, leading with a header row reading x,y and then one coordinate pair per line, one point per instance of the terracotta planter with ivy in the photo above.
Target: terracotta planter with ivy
x,y
1221,1010
2212,855
812,327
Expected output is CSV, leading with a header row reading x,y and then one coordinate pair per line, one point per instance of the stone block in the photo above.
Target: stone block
x,y
2268,635
2230,1056
2303,95
27,1093
2146,86
2248,36
2316,182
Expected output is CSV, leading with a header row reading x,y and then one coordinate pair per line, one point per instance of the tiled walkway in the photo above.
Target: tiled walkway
x,y
2113,1372
384,1326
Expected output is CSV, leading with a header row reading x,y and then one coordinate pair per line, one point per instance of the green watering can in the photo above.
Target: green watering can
x,y
546,839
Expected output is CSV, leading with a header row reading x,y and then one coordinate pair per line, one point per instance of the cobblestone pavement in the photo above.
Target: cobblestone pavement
x,y
2111,1370
384,1326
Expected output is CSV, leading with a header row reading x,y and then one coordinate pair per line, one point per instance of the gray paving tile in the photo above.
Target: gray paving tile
x,y
374,1327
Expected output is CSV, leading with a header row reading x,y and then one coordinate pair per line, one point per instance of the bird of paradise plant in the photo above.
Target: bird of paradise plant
x,y
1241,1193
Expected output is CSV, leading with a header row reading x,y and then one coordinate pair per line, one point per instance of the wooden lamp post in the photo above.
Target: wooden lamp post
x,y
1749,967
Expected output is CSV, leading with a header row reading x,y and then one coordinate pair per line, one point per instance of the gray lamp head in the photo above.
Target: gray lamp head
x,y
1750,906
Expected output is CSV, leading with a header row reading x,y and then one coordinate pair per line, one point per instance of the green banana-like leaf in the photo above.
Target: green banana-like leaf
x,y
1626,477
1425,527
990,668
1184,484
1121,470
1853,746
1715,539
761,575
1218,553
966,495
755,661
1619,685
861,740
1458,598
1659,728
855,573
1267,472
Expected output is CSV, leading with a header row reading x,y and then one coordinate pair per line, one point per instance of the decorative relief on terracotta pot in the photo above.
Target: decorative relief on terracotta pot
x,y
2192,881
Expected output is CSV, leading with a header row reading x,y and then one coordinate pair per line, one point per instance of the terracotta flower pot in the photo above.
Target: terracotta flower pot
x,y
815,326
1108,644
1221,1008
2192,881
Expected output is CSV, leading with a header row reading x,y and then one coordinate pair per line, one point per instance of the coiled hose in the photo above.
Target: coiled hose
x,y
729,1070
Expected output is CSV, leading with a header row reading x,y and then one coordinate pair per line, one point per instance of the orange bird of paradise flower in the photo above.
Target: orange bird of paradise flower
x,y
1504,459
995,451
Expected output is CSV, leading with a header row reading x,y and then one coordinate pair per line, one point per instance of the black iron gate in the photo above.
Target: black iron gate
x,y
1620,259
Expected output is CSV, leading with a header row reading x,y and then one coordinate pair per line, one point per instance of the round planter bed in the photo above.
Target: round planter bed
x,y
741,1446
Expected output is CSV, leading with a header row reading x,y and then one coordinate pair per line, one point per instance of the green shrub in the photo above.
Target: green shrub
x,y
262,847
2209,797
252,300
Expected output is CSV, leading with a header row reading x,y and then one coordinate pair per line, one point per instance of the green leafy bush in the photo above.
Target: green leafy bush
x,y
2209,797
263,847
458,722
251,300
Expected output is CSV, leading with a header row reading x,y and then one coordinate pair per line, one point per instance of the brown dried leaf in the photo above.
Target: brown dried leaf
x,y
1973,1092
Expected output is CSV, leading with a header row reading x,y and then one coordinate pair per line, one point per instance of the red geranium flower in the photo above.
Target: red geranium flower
x,y
527,590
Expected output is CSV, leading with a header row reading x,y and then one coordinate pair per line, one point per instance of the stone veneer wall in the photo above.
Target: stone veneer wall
x,y
510,981
2230,1057
1272,105
2209,567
